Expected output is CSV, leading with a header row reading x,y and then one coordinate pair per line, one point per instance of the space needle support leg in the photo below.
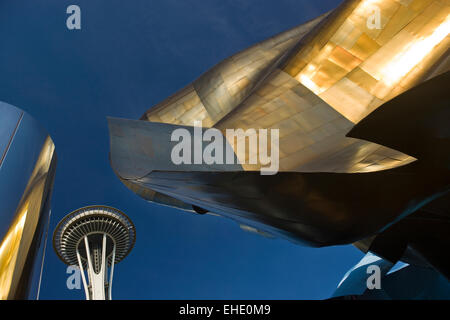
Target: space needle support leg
x,y
93,279
112,272
104,264
90,267
96,280
85,285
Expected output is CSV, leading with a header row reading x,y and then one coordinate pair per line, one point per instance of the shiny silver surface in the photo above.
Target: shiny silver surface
x,y
27,168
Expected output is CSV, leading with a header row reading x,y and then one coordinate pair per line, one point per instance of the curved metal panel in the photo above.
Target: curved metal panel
x,y
332,187
26,181
424,133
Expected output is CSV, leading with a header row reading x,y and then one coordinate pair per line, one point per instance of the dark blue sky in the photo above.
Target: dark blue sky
x,y
128,56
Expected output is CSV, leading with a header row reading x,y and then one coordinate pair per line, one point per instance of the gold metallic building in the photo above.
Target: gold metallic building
x,y
316,81
359,96
27,167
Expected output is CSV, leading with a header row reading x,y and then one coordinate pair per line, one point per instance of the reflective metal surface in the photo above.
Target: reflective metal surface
x,y
399,282
27,168
363,118
329,77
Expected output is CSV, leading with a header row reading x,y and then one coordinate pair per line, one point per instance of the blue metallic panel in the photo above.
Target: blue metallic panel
x,y
18,164
9,120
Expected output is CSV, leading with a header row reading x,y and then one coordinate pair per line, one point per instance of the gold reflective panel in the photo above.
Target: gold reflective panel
x,y
374,50
221,89
333,72
8,252
18,247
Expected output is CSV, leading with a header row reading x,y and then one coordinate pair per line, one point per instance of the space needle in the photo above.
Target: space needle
x,y
95,238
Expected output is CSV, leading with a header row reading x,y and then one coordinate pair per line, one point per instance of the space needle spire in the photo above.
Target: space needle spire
x,y
95,238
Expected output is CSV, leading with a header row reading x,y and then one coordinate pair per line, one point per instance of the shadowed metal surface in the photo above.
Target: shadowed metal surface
x,y
424,133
